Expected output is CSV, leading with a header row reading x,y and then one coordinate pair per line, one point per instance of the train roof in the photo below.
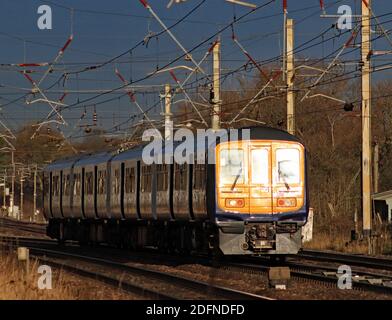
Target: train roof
x,y
96,158
256,133
268,133
62,163
79,160
134,153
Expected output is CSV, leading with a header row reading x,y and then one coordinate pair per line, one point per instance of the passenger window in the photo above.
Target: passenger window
x,y
199,177
66,185
180,176
77,184
89,183
55,186
129,180
162,177
146,179
46,184
101,181
116,186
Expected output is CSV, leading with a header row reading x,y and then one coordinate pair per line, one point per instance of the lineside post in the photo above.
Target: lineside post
x,y
24,260
366,119
216,116
35,194
290,76
376,167
168,114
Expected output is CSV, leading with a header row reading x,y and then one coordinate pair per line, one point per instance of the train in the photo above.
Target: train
x,y
252,199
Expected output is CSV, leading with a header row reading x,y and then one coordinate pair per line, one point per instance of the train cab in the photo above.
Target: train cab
x,y
261,192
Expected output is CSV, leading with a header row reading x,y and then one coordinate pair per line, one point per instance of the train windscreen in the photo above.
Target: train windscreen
x,y
288,164
232,170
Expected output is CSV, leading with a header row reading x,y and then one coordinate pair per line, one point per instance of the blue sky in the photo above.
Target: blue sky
x,y
104,29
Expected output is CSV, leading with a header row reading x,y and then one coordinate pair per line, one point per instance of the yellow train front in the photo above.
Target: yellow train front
x,y
261,193
248,195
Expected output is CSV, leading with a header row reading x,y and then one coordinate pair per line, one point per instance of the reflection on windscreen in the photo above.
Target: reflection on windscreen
x,y
288,165
231,166
260,167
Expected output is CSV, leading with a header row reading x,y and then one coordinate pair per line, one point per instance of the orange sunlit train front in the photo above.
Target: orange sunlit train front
x,y
261,189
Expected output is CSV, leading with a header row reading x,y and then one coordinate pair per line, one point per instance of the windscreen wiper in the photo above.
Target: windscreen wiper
x,y
236,178
284,180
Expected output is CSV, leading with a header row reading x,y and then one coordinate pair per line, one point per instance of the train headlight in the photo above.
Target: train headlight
x,y
286,202
235,203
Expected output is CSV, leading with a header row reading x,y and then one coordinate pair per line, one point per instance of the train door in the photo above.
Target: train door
x,y
66,194
77,204
89,205
131,192
116,197
199,192
101,196
260,178
163,201
82,193
146,192
56,194
181,185
47,177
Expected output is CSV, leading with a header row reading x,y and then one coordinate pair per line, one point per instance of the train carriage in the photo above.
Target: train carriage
x,y
252,199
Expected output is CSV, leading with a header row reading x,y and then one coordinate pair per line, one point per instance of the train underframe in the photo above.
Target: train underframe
x,y
227,238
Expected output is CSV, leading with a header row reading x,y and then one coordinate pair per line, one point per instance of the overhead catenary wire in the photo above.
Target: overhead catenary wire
x,y
190,84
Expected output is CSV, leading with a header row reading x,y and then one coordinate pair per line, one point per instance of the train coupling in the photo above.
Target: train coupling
x,y
261,236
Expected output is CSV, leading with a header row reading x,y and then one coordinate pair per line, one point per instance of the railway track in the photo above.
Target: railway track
x,y
320,272
130,278
350,259
23,226
361,280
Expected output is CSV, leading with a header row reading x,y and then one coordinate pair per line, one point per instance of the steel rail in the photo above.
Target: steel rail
x,y
58,252
350,259
315,272
221,291
114,281
23,226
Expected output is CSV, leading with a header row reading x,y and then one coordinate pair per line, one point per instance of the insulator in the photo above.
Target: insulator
x,y
348,107
212,95
95,117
